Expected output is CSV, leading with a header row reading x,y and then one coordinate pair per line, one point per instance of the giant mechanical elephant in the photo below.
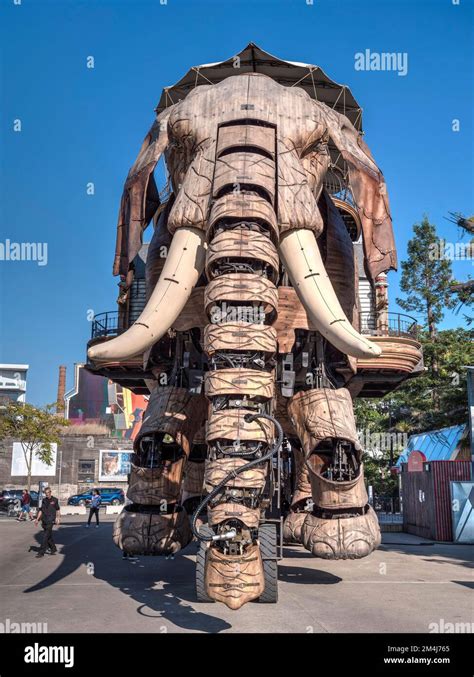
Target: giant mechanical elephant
x,y
248,216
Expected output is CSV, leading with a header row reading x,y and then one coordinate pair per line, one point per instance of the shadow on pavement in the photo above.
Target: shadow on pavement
x,y
151,583
434,552
302,575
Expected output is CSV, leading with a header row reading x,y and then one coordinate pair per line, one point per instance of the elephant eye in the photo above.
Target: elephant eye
x,y
320,146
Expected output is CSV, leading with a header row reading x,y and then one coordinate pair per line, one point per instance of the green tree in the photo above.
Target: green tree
x,y
378,432
426,277
36,429
409,409
426,280
452,350
464,291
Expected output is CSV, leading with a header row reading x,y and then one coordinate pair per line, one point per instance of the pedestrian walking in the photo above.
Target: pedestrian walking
x,y
25,507
49,515
94,507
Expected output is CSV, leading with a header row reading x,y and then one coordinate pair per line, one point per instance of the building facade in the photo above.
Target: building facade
x,y
13,382
81,462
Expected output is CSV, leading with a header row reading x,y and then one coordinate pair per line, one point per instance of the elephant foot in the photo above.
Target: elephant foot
x,y
292,527
140,530
234,580
341,536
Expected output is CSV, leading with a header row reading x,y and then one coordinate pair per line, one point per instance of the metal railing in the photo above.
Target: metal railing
x,y
388,324
338,186
387,504
388,509
107,324
394,324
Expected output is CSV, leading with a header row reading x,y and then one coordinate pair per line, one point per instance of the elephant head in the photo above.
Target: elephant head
x,y
248,148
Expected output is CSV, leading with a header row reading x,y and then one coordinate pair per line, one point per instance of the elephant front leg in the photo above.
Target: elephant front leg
x,y
342,525
154,523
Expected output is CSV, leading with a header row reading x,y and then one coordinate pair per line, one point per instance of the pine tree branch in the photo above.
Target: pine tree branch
x,y
462,286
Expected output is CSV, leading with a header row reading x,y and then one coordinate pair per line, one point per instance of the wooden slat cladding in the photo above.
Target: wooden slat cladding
x,y
234,579
399,354
239,336
245,288
256,136
193,313
193,478
244,169
291,316
335,495
240,243
230,424
320,414
239,207
227,511
216,471
239,382
175,411
155,534
152,486
338,256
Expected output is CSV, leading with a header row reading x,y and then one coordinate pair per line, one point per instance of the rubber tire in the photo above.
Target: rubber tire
x,y
267,536
115,501
201,593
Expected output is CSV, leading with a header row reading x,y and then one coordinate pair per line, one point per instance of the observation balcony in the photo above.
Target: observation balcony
x,y
401,358
396,334
128,373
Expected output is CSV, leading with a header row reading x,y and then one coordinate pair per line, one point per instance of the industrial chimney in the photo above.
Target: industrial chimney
x,y
61,390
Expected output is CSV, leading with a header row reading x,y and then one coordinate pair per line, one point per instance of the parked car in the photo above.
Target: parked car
x,y
11,498
109,496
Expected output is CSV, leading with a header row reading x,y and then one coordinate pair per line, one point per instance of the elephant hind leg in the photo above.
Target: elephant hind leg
x,y
301,502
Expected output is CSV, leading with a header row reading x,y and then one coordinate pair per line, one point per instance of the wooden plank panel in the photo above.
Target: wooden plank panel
x,y
246,135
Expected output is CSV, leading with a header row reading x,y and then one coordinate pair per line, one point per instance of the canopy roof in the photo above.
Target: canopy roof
x,y
437,445
288,73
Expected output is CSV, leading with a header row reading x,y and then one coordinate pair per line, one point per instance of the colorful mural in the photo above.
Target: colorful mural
x,y
96,399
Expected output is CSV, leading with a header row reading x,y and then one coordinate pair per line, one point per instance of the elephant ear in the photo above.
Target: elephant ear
x,y
370,194
140,198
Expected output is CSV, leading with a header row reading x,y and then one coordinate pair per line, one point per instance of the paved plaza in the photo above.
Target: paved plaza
x,y
405,586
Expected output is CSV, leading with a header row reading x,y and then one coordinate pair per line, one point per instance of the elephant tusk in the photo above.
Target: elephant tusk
x,y
184,264
302,259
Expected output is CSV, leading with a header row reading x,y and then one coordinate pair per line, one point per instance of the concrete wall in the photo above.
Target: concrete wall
x,y
71,450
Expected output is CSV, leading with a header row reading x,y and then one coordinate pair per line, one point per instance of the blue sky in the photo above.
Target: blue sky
x,y
83,125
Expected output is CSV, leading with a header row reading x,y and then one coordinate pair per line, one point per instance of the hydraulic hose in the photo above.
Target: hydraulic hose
x,y
248,418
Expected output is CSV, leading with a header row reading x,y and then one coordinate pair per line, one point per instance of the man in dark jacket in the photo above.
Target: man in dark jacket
x,y
49,514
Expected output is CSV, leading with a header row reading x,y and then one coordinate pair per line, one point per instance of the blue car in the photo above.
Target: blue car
x,y
109,496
